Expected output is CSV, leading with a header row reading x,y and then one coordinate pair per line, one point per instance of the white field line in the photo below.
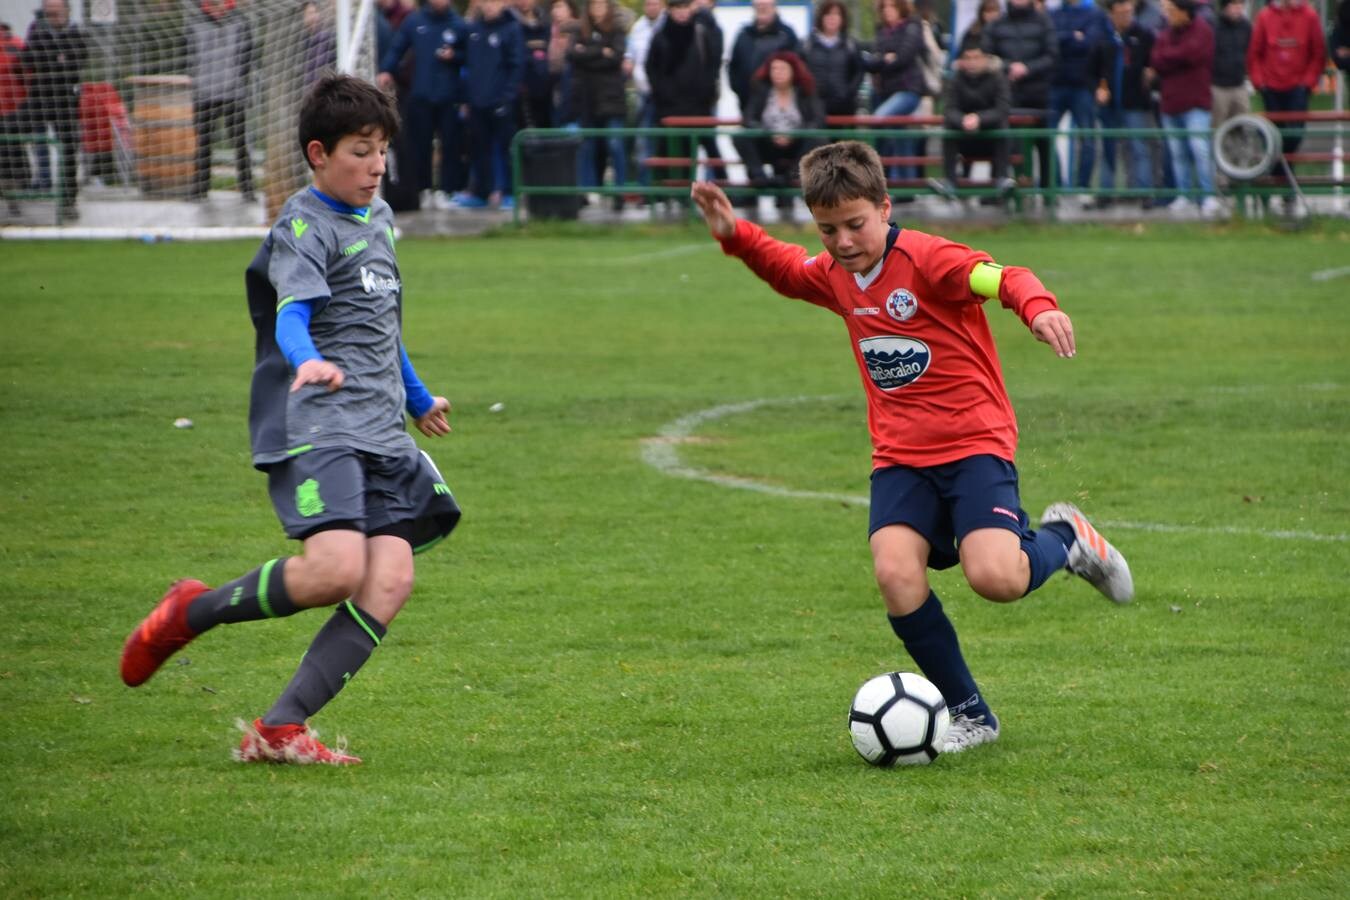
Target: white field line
x,y
1328,274
679,250
662,453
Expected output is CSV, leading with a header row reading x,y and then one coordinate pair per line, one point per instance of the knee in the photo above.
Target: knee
x,y
901,580
995,581
332,579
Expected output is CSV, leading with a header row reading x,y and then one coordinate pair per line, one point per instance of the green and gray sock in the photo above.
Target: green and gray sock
x,y
261,594
339,650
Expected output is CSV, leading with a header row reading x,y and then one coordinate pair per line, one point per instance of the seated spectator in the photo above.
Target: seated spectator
x,y
835,60
976,98
782,100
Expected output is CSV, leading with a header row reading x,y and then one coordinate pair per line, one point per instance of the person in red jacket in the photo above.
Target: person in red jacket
x,y
1285,59
944,436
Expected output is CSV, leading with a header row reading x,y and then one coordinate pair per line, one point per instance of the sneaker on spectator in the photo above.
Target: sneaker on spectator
x,y
1213,208
1297,208
1005,186
469,201
441,200
507,203
426,199
1181,208
943,188
1275,203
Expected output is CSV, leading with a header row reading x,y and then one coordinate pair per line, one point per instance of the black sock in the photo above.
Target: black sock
x,y
261,594
929,637
339,650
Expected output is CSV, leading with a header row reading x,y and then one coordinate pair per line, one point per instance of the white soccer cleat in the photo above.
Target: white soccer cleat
x,y
1092,557
965,732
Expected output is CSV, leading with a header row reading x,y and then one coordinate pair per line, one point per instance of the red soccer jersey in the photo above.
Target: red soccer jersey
x,y
929,367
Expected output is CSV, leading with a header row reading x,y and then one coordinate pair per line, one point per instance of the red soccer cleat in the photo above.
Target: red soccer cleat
x,y
163,633
294,744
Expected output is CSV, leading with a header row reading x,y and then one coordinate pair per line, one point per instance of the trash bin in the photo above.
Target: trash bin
x,y
550,162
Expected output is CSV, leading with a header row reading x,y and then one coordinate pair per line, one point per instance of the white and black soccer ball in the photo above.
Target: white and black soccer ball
x,y
899,718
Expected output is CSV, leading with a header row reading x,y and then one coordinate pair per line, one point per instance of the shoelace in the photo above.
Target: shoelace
x,y
964,730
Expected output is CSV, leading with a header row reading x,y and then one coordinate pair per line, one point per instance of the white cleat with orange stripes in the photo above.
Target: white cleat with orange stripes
x,y
1092,557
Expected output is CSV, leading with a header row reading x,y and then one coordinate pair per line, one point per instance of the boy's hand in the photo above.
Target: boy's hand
x,y
318,371
435,421
1053,327
716,209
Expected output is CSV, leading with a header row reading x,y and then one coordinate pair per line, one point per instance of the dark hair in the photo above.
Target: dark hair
x,y
832,6
834,174
1186,6
339,105
1114,3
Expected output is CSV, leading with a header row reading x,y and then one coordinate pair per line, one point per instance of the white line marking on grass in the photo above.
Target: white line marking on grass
x,y
680,250
1328,274
663,454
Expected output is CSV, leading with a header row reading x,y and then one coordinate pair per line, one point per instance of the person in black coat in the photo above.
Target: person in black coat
x,y
1025,40
54,55
600,85
683,66
835,60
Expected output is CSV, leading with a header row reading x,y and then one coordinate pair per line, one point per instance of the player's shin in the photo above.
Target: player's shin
x,y
337,653
261,594
930,638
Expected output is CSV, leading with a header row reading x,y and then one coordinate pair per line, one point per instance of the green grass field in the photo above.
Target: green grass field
x,y
612,682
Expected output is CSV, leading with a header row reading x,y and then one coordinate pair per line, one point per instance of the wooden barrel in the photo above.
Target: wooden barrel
x,y
165,139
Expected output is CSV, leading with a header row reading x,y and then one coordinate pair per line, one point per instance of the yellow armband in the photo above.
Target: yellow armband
x,y
985,279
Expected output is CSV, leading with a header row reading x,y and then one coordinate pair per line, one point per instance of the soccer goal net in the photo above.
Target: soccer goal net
x,y
186,111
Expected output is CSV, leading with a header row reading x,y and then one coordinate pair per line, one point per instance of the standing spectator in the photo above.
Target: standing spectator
x,y
1149,15
1124,97
898,83
563,28
1285,60
1024,39
1232,35
683,67
536,89
601,90
1183,57
765,34
705,11
783,100
933,61
220,57
976,98
1079,28
319,46
988,13
53,56
639,43
13,157
835,60
433,36
1340,37
390,19
494,64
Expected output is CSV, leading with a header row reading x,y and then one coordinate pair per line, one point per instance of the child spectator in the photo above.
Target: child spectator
x,y
944,436
1232,35
976,98
494,64
331,384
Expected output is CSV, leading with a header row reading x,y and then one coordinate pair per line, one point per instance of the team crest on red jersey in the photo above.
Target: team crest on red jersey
x,y
902,305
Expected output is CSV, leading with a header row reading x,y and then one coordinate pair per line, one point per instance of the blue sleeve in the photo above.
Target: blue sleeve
x,y
292,332
419,398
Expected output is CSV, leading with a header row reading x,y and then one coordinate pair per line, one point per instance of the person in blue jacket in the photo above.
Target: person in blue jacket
x,y
1080,26
434,36
494,65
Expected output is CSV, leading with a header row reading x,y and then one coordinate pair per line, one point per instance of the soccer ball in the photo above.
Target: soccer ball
x,y
900,718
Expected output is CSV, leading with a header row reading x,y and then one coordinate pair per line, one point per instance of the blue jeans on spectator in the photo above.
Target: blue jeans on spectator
x,y
1081,107
1138,150
492,130
1191,164
901,103
590,157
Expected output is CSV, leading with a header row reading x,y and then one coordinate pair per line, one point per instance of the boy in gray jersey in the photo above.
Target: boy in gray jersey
x,y
331,384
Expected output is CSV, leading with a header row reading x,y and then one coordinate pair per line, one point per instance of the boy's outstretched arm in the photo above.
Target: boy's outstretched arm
x,y
716,208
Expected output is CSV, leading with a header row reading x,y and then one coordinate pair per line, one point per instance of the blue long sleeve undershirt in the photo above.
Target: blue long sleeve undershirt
x,y
292,336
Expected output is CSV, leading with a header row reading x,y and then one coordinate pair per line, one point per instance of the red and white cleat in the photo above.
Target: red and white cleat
x,y
162,634
294,744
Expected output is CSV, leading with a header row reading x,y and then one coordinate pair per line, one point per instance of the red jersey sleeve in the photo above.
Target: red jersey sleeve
x,y
946,266
787,268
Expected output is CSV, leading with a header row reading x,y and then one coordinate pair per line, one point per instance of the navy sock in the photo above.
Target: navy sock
x,y
929,637
339,650
261,594
1047,551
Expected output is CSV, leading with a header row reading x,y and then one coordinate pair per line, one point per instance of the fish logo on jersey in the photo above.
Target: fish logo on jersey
x,y
902,305
893,362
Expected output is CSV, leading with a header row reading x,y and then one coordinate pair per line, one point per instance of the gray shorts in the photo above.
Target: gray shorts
x,y
338,488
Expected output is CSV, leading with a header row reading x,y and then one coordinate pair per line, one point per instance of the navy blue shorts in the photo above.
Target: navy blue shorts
x,y
947,502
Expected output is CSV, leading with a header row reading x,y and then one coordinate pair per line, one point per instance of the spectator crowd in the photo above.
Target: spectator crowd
x,y
468,78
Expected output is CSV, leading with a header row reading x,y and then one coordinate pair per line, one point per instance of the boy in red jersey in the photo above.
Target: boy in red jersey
x,y
944,487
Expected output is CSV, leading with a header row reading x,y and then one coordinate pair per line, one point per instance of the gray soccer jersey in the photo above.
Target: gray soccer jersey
x,y
345,263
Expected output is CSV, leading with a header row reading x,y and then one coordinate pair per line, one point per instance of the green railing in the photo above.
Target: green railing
x,y
1022,142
